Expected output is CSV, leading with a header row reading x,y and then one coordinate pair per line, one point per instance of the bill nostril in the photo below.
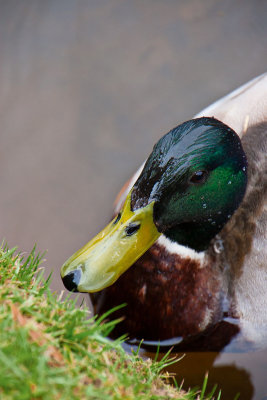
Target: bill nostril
x,y
132,228
72,279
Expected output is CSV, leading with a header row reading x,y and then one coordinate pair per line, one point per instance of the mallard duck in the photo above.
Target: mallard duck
x,y
187,245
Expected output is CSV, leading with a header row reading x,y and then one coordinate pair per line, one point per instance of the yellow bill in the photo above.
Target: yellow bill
x,y
100,262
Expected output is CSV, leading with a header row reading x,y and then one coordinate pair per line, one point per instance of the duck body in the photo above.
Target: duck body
x,y
207,258
168,295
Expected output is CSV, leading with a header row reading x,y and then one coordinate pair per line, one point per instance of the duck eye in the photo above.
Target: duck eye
x,y
131,229
198,177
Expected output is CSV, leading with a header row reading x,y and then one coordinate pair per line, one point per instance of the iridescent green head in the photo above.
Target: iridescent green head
x,y
191,184
196,175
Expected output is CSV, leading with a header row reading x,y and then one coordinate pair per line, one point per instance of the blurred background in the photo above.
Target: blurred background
x,y
87,87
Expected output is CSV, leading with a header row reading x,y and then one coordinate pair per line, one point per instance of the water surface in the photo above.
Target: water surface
x,y
239,367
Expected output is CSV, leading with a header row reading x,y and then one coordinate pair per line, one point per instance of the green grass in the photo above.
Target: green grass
x,y
50,349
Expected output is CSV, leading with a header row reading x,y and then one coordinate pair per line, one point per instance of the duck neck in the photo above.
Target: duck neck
x,y
197,236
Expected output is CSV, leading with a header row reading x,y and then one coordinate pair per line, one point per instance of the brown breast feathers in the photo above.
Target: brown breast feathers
x,y
166,295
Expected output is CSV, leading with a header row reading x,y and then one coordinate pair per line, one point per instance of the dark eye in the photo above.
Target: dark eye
x,y
117,219
131,229
199,177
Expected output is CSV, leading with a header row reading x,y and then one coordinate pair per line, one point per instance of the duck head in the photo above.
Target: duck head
x,y
191,184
